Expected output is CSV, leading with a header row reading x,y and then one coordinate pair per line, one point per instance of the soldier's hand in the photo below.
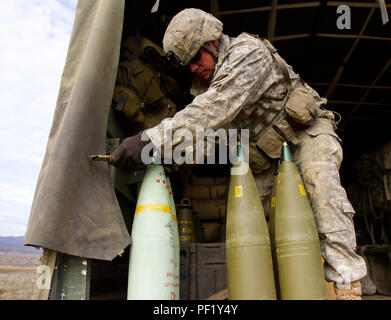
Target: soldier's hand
x,y
128,154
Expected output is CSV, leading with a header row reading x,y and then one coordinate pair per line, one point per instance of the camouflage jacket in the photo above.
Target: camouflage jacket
x,y
246,81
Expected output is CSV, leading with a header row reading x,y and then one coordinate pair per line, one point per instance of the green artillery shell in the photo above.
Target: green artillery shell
x,y
249,262
186,221
299,259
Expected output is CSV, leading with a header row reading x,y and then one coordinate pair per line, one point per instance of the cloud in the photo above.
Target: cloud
x,y
14,200
34,40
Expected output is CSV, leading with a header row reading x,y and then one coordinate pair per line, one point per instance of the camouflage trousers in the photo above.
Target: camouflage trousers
x,y
318,157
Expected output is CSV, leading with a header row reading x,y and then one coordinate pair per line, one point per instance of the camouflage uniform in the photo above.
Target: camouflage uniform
x,y
248,90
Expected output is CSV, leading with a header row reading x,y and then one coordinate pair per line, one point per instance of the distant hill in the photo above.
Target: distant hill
x,y
15,245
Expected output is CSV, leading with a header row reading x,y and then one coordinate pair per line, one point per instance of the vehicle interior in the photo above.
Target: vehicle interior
x,y
349,66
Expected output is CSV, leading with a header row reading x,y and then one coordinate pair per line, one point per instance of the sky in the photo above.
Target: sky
x,y
34,38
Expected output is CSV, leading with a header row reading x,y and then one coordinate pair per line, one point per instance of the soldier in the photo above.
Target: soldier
x,y
242,82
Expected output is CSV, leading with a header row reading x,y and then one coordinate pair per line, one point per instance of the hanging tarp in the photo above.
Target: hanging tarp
x,y
75,209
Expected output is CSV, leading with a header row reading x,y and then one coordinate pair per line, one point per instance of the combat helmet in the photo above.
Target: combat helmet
x,y
188,31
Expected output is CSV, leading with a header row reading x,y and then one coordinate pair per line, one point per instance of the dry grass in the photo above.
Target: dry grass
x,y
18,273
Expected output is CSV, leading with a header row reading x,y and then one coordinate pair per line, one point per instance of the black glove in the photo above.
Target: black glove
x,y
128,154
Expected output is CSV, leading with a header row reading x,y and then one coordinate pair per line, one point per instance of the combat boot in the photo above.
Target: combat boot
x,y
349,291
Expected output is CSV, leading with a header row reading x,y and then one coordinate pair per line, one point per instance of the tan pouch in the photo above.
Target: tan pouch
x,y
141,77
271,142
146,82
301,107
258,161
129,102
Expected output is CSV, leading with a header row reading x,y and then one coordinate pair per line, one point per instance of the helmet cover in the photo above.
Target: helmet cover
x,y
188,31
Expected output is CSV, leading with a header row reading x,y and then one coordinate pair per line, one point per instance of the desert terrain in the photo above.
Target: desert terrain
x,y
18,273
